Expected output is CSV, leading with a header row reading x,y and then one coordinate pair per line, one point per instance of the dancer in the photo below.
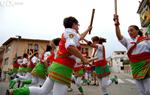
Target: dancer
x,y
88,74
30,65
29,78
138,51
61,68
78,74
100,63
39,72
21,71
16,64
23,66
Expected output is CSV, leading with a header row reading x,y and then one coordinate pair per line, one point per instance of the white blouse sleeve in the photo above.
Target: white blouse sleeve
x,y
46,54
34,60
25,61
148,44
124,42
99,47
71,39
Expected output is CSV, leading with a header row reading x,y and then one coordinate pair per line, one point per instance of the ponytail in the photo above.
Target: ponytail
x,y
140,33
102,40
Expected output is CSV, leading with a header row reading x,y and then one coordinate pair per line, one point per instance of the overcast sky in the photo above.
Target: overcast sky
x,y
43,19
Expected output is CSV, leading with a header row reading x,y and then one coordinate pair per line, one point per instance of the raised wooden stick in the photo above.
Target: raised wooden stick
x,y
115,6
92,17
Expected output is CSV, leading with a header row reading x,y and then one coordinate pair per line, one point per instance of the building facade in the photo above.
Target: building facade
x,y
1,56
119,62
1,60
144,12
18,46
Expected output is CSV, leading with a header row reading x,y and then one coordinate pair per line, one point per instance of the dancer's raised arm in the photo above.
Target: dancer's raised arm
x,y
117,28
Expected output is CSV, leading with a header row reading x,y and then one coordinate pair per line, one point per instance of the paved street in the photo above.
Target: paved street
x,y
3,87
126,86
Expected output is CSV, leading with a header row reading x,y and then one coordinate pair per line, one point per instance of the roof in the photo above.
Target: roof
x,y
142,3
13,38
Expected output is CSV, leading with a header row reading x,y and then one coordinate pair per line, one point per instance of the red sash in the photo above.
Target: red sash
x,y
51,58
89,68
31,65
63,54
66,61
16,65
138,57
78,68
23,65
100,63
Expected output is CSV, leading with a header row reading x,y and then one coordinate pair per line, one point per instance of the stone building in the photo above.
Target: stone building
x,y
18,46
118,62
144,12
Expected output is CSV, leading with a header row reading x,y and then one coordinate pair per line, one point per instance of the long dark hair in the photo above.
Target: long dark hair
x,y
137,28
95,38
102,40
25,55
56,41
48,48
99,39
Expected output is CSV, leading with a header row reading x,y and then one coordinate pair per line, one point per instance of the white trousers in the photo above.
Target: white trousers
x,y
78,81
26,77
105,82
47,87
143,86
36,81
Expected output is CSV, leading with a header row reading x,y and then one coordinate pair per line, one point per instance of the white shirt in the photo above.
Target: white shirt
x,y
72,38
46,54
141,47
78,62
99,52
20,61
34,60
25,61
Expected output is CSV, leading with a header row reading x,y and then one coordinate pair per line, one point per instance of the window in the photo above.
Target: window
x,y
122,53
36,47
30,46
30,49
121,60
6,61
122,67
8,48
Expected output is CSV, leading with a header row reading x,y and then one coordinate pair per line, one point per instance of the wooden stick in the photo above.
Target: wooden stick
x,y
92,17
115,5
